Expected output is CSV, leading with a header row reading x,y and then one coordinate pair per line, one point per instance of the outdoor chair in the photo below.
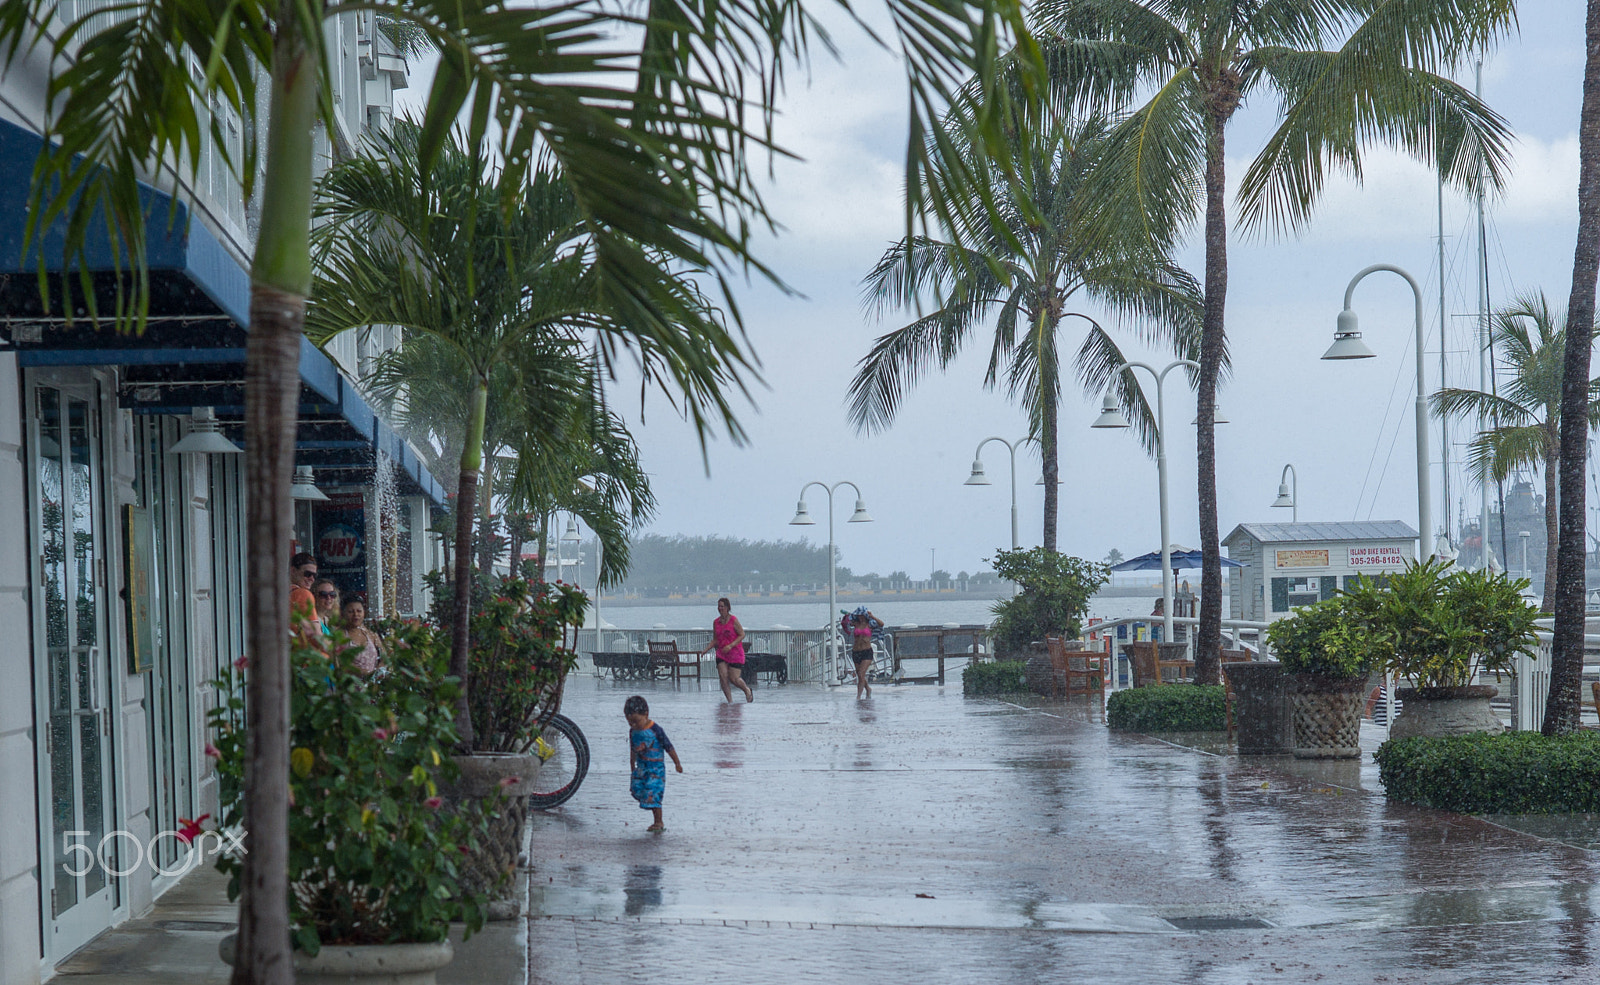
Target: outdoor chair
x,y
667,660
1076,671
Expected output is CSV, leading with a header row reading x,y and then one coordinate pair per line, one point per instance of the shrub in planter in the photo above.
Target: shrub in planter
x,y
372,858
1329,650
519,659
1511,773
994,677
1169,708
1054,598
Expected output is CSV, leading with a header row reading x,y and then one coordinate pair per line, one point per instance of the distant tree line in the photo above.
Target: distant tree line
x,y
660,562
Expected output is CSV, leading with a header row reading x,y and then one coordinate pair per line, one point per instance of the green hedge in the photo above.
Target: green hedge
x,y
1511,773
1168,708
996,677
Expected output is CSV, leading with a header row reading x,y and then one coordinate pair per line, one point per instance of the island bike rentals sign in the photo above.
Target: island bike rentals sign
x,y
1379,557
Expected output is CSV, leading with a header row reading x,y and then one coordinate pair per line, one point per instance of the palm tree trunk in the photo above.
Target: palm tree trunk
x,y
1049,408
1208,638
1566,671
1552,517
466,503
280,283
486,518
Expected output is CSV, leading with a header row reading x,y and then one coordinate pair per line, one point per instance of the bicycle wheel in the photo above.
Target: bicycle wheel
x,y
565,767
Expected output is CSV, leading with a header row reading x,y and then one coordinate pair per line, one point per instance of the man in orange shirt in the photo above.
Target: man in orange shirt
x,y
302,604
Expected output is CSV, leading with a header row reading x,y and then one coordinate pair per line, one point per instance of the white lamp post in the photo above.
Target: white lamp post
x,y
1285,497
1111,417
1347,344
802,518
978,478
1525,535
570,536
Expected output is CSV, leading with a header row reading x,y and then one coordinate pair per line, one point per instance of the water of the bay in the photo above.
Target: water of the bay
x,y
810,614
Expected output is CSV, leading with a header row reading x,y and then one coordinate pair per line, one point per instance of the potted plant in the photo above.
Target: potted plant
x,y
1328,651
374,860
1448,627
518,661
1054,598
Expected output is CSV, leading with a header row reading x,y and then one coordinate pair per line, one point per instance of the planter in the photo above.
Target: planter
x,y
366,964
484,775
1327,717
1262,708
1446,711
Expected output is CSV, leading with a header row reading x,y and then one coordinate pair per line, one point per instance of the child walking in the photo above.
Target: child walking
x,y
648,747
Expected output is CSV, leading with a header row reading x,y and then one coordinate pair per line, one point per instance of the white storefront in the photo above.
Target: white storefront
x,y
1288,565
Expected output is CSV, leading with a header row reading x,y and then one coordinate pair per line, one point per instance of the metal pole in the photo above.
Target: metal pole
x,y
1483,337
1424,493
833,605
1161,481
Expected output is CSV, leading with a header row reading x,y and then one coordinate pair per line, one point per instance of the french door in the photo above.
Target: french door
x,y
72,660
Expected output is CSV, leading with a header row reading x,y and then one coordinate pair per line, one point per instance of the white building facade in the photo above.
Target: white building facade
x,y
122,578
1287,565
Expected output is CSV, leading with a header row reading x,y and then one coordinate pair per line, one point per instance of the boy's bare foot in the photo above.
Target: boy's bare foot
x,y
656,827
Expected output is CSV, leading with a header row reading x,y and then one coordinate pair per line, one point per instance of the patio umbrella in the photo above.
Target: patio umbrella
x,y
1180,559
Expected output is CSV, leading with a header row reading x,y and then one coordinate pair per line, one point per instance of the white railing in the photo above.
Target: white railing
x,y
1241,633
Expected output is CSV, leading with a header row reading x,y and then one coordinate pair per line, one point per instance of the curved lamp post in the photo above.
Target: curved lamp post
x,y
978,478
802,518
1347,344
1285,497
1111,417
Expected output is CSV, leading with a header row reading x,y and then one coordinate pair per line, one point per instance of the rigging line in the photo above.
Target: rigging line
x,y
1394,439
1394,392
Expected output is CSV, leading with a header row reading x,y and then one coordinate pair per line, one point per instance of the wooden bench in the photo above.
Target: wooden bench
x,y
1151,661
1076,671
667,660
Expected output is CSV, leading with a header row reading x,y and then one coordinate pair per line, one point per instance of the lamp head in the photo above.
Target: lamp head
x,y
860,515
571,534
204,438
801,517
977,478
1284,499
305,485
1110,415
1347,342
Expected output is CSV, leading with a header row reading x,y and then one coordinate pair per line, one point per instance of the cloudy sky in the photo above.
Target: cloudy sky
x,y
1345,426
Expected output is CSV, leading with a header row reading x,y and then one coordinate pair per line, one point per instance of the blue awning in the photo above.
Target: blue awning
x,y
183,255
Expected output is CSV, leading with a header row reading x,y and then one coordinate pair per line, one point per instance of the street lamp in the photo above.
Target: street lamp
x,y
1285,498
570,536
1111,417
802,518
1525,535
977,478
1347,344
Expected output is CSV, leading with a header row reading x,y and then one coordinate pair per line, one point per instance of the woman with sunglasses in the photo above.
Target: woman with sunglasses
x,y
327,596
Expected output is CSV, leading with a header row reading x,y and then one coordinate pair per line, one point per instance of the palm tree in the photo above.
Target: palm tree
x,y
1522,422
1194,64
654,119
1025,264
1561,713
489,276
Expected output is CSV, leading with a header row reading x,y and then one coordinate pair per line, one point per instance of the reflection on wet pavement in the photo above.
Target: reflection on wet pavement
x,y
816,838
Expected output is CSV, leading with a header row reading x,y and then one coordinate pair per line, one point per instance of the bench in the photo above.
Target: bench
x,y
775,666
624,665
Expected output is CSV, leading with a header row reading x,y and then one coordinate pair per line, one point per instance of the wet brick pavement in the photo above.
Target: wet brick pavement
x,y
1046,849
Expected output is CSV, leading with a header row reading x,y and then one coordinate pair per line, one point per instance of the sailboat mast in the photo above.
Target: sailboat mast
x,y
1444,420
1483,331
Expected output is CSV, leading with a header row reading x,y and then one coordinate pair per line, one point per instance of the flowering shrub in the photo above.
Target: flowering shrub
x,y
372,858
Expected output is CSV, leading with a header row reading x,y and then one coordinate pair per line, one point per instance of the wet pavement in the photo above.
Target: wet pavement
x,y
923,835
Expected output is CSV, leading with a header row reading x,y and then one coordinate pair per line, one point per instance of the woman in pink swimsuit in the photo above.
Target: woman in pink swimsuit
x,y
861,650
727,636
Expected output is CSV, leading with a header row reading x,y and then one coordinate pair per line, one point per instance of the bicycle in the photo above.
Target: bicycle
x,y
565,754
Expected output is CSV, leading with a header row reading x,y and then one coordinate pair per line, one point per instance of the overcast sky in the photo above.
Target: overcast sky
x,y
1345,426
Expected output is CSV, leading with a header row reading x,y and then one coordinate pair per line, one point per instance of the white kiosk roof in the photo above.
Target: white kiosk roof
x,y
1288,533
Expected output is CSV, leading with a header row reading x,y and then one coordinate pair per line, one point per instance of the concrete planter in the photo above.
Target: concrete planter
x,y
1327,717
1262,708
1446,711
484,775
364,964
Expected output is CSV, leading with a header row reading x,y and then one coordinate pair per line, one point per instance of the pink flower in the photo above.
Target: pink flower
x,y
213,751
509,781
191,828
380,734
433,803
240,663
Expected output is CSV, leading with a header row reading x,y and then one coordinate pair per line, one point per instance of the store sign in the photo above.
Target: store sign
x,y
1379,557
1303,559
340,544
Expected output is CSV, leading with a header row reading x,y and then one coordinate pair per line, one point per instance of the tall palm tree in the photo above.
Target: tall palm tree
x,y
1522,422
1034,260
654,118
1184,70
490,277
1561,713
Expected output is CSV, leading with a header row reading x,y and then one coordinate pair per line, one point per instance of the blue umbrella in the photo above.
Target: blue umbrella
x,y
1180,560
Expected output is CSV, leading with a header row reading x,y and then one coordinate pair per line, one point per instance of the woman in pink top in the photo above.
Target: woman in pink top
x,y
727,636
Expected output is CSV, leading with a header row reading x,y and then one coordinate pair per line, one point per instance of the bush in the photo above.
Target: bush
x,y
1328,640
1511,773
1054,599
1169,708
996,677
